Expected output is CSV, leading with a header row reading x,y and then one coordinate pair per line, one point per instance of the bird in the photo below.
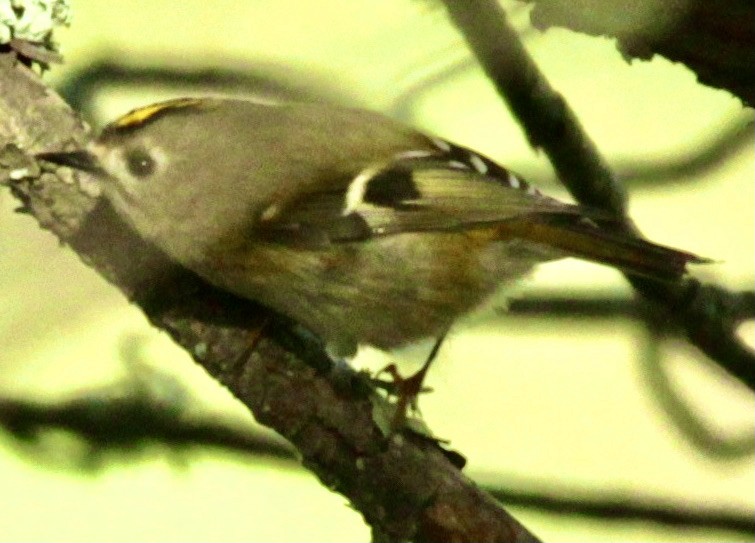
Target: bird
x,y
364,230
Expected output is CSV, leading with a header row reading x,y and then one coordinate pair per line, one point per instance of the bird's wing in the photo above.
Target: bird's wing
x,y
457,190
415,192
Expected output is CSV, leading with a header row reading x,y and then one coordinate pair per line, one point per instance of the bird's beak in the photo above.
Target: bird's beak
x,y
80,160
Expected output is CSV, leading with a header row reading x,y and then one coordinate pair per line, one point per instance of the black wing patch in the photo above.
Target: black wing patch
x,y
392,187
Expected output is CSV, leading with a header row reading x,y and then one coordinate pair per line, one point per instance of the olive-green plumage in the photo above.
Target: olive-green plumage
x,y
361,228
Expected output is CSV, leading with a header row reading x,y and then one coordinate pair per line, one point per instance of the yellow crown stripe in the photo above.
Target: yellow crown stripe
x,y
139,116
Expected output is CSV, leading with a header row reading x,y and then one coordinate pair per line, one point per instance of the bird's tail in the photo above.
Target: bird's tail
x,y
584,240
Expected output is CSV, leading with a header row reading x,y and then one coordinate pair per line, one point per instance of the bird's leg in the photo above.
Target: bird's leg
x,y
408,389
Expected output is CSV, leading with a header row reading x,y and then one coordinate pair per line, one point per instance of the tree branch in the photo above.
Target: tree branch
x,y
406,487
708,314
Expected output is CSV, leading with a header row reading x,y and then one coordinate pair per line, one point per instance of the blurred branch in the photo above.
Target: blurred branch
x,y
264,81
406,487
617,506
125,418
685,418
716,40
682,414
148,406
108,421
709,314
722,143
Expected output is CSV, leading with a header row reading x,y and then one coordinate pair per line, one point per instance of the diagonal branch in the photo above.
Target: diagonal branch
x,y
708,314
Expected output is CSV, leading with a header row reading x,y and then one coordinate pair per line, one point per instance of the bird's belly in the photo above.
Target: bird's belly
x,y
386,292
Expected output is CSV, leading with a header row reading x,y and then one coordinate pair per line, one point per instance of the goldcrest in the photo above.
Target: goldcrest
x,y
362,229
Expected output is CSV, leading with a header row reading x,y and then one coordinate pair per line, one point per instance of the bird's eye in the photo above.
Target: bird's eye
x,y
139,162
